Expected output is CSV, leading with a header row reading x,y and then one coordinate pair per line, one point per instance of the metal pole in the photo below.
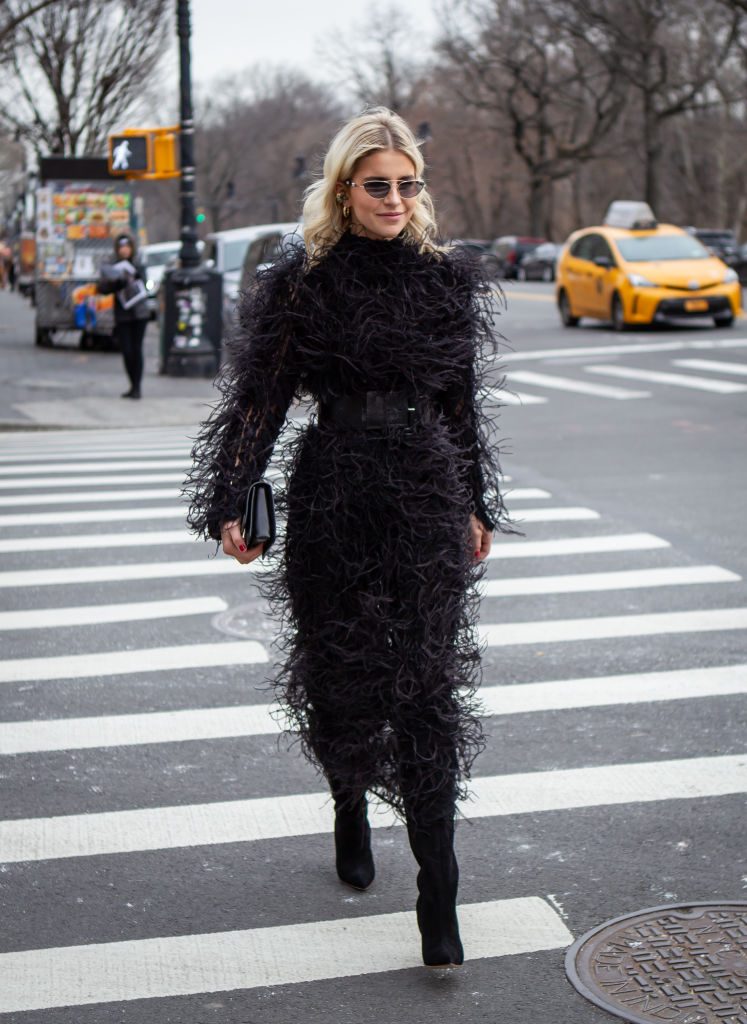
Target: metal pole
x,y
189,256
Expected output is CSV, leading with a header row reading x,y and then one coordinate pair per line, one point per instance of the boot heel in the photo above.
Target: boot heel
x,y
438,879
353,857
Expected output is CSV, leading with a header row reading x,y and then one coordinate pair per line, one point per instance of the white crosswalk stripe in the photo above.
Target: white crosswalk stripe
x,y
682,380
111,696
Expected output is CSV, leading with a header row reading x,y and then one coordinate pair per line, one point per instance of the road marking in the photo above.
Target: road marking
x,y
107,515
575,545
552,515
9,460
573,583
619,349
144,538
503,396
117,663
86,497
91,467
37,735
723,387
564,630
29,483
89,615
546,380
118,573
525,493
181,965
284,817
712,364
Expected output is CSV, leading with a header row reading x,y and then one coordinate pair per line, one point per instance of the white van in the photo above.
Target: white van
x,y
227,251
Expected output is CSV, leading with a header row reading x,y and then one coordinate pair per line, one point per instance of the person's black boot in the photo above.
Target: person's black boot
x,y
438,879
353,857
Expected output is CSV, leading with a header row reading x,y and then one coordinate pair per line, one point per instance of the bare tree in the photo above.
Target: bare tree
x,y
377,68
539,83
77,70
13,13
673,56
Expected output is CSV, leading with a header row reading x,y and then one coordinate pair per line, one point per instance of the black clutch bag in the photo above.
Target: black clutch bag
x,y
258,520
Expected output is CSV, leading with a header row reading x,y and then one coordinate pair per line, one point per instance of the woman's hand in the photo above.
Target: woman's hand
x,y
233,543
480,537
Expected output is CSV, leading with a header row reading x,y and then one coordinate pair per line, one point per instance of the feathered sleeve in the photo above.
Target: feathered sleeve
x,y
258,384
473,340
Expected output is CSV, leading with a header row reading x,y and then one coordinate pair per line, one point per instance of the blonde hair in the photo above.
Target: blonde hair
x,y
370,132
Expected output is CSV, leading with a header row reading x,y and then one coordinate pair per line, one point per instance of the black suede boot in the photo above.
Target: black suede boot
x,y
353,857
438,878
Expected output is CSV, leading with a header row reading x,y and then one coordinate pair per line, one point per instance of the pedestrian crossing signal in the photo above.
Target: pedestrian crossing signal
x,y
139,153
129,154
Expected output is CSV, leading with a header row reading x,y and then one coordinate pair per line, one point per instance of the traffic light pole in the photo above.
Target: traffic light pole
x,y
190,256
192,307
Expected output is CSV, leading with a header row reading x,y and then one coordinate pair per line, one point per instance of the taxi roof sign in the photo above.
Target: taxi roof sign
x,y
630,213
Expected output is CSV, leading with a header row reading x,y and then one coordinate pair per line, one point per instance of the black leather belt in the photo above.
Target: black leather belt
x,y
374,410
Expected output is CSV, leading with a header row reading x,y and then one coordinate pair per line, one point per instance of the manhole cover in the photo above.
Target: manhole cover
x,y
684,963
248,621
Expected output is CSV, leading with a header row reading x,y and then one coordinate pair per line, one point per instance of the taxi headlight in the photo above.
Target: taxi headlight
x,y
730,275
639,281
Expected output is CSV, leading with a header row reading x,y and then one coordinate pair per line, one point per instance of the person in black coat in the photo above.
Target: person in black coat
x,y
391,501
130,312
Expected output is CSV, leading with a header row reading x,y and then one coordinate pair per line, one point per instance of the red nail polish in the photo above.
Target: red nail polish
x,y
477,554
241,547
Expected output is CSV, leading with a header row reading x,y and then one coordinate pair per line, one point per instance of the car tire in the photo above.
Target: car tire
x,y
723,321
618,314
564,308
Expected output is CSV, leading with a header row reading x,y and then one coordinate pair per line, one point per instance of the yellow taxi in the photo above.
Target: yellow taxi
x,y
633,270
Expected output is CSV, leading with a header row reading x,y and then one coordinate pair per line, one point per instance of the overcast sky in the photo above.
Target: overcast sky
x,y
231,35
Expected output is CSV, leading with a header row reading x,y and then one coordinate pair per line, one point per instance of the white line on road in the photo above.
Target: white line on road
x,y
715,365
619,349
181,965
10,460
86,497
562,630
102,515
30,483
594,581
117,663
575,545
276,817
525,493
142,538
259,719
552,515
92,467
119,573
505,396
89,615
723,387
546,380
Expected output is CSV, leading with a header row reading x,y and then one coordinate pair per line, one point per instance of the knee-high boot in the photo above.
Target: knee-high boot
x,y
353,856
438,878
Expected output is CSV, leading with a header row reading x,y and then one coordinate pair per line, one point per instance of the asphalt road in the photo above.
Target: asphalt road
x,y
149,808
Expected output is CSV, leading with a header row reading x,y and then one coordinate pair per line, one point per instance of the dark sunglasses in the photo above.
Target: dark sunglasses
x,y
408,188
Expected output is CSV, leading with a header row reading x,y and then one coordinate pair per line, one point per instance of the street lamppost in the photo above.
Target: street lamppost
x,y
191,324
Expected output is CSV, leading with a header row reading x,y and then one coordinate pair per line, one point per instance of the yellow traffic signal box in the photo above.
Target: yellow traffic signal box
x,y
145,153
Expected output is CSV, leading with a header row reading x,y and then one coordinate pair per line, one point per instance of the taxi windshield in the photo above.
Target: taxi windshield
x,y
661,247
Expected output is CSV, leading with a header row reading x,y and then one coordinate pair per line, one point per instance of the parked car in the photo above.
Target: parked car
x,y
539,264
228,250
505,252
156,258
632,270
722,243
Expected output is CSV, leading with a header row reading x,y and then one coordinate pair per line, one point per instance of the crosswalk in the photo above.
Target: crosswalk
x,y
139,750
718,376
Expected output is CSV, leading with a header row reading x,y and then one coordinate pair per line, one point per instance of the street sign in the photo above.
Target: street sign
x,y
129,154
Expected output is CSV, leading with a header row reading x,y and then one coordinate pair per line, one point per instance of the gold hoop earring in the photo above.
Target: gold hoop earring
x,y
345,212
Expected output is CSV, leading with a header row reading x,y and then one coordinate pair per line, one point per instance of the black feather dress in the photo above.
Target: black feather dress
x,y
376,583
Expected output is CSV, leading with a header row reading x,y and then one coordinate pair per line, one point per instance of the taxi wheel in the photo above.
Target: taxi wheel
x,y
724,321
618,314
564,307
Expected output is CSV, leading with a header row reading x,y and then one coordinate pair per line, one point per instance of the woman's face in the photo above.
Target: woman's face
x,y
385,218
124,249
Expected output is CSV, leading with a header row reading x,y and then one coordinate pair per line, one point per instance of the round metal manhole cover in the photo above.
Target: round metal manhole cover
x,y
683,963
250,621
